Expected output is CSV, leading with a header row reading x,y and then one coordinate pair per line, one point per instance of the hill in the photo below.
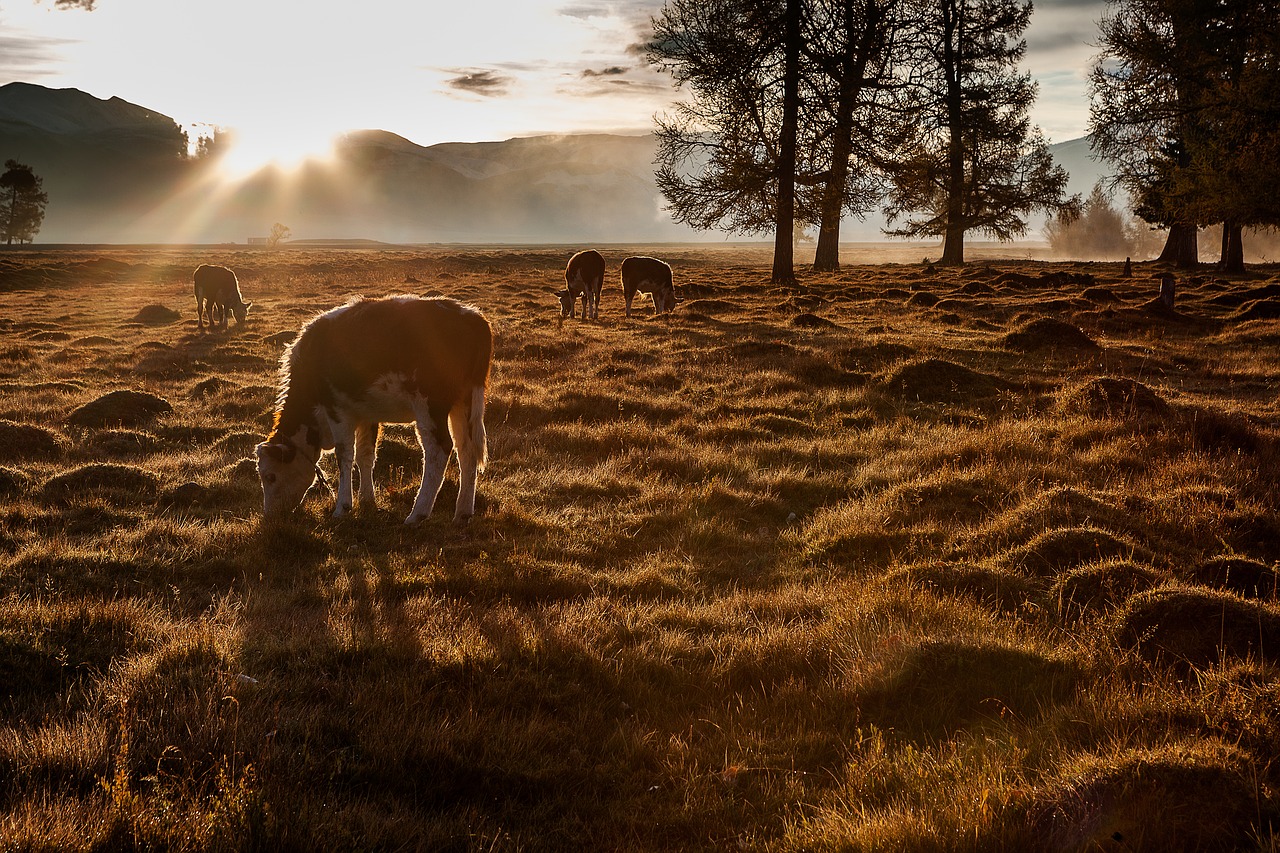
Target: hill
x,y
119,173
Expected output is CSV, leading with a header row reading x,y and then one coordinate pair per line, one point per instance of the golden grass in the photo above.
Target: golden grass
x,y
901,558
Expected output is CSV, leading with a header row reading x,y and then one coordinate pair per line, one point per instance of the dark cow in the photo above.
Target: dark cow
x,y
216,291
651,276
584,276
397,359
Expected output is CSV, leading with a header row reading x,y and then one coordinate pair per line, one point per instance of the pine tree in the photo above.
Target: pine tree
x,y
976,162
22,202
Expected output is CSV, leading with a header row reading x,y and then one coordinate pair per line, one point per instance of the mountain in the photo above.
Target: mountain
x,y
116,172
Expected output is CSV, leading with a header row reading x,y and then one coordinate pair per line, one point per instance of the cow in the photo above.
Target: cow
x,y
584,276
651,276
216,291
394,359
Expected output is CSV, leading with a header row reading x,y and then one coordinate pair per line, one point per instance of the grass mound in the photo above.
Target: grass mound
x,y
1180,797
812,321
1002,590
20,442
1046,333
923,299
1107,396
1261,309
943,686
936,380
1241,575
120,408
119,481
1102,586
12,482
211,387
1054,551
156,315
1196,626
122,442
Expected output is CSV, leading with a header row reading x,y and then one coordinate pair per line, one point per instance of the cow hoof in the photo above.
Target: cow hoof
x,y
414,520
340,511
461,520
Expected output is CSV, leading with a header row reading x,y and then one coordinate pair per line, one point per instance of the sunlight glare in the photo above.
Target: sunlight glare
x,y
251,149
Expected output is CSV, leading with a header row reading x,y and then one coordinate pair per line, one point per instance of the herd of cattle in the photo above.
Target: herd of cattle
x,y
395,359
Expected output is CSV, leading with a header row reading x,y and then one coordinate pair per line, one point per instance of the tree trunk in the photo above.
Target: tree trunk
x,y
1180,248
854,67
1232,260
783,242
953,236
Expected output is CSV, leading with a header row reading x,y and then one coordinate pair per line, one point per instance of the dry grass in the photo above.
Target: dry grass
x,y
902,558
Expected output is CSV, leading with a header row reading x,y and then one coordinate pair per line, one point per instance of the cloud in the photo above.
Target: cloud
x,y
611,71
480,81
23,57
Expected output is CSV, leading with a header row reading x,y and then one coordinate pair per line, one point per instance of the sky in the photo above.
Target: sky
x,y
288,75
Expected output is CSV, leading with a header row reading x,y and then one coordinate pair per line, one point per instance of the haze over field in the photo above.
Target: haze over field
x,y
113,173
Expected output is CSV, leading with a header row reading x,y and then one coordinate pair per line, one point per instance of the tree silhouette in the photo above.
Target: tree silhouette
x,y
279,232
22,203
975,162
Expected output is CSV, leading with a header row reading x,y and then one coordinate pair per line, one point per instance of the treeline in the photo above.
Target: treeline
x,y
800,112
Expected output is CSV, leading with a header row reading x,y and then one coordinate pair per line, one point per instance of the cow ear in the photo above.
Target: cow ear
x,y
248,305
282,453
564,291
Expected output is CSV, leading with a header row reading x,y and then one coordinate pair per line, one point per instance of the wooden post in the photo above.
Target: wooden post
x,y
1127,272
1166,290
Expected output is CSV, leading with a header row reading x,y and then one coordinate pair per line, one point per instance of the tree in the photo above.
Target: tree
x,y
279,233
975,162
22,203
850,47
1184,101
1097,230
726,154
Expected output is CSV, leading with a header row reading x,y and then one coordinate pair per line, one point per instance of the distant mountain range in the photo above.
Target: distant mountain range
x,y
116,172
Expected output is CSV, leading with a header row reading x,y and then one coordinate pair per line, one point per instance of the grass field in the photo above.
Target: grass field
x,y
897,559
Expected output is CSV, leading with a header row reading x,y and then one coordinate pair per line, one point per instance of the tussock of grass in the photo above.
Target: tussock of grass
x,y
1190,626
1108,396
122,408
21,442
123,483
1055,551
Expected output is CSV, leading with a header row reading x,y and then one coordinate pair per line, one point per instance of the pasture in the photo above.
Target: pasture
x,y
901,558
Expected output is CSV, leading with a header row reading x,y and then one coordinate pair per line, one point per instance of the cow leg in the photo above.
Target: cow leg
x,y
628,293
366,456
466,423
344,450
433,433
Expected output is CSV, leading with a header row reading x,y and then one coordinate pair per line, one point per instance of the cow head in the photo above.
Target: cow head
x,y
567,300
664,300
240,311
287,472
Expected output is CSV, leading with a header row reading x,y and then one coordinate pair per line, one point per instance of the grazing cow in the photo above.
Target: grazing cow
x,y
397,359
216,291
651,276
584,276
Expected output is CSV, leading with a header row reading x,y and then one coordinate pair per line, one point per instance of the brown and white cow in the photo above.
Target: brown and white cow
x,y
584,276
651,276
396,359
217,290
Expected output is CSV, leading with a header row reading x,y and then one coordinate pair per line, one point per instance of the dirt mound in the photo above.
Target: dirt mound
x,y
120,408
156,315
23,441
1192,796
1047,333
976,288
707,306
1244,577
937,381
1198,627
120,481
923,299
1110,397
